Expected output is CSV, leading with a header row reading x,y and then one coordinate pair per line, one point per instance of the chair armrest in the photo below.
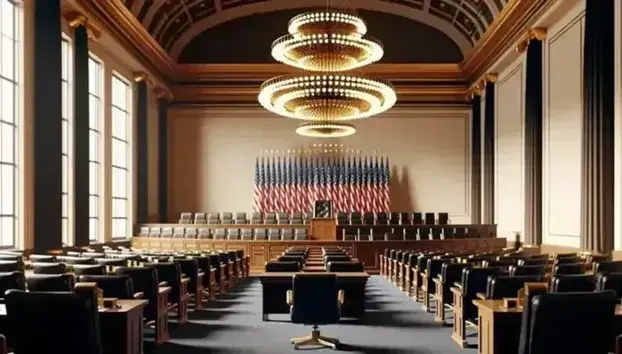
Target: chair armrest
x,y
456,290
163,284
3,347
185,280
139,295
289,297
481,296
341,297
201,274
458,285
618,345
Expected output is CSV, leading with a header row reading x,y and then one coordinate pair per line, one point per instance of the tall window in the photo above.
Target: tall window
x,y
95,74
8,122
120,156
66,98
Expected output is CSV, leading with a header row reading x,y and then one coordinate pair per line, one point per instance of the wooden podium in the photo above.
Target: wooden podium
x,y
324,229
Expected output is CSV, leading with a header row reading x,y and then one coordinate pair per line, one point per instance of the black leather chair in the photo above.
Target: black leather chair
x,y
111,262
88,269
49,268
315,300
42,258
609,281
608,267
276,266
119,286
146,281
49,282
11,266
573,283
533,261
568,260
337,266
499,287
523,270
48,316
75,260
295,258
570,268
331,258
553,324
12,280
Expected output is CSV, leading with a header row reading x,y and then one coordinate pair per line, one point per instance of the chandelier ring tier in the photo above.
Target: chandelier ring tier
x,y
326,97
325,130
327,42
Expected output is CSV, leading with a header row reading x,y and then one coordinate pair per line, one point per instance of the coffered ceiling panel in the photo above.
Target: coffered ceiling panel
x,y
174,23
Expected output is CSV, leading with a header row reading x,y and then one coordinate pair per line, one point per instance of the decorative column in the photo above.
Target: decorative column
x,y
142,204
47,131
597,169
83,31
476,155
164,98
533,135
489,149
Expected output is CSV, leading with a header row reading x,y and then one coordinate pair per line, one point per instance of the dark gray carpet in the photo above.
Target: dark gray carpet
x,y
232,324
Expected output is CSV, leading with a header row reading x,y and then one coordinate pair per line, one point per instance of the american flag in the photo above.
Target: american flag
x,y
290,184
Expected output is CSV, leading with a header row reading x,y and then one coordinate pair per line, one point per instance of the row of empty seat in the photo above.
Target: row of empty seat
x,y
297,218
225,233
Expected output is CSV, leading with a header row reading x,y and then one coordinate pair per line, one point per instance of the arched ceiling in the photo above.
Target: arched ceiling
x,y
175,23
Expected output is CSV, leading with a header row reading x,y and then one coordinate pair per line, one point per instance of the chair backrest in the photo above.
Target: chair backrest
x,y
573,283
452,272
75,260
277,266
443,218
608,267
292,258
115,262
534,261
609,281
499,287
474,280
49,268
430,218
48,282
528,270
568,260
337,266
11,280
11,266
48,316
570,268
119,286
336,258
88,269
556,318
315,299
42,258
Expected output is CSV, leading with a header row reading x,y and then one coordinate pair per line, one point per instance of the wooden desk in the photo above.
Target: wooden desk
x,y
122,328
323,229
276,284
499,327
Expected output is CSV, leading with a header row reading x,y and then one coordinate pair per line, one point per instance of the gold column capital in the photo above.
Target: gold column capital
x,y
162,93
144,77
537,33
75,19
478,88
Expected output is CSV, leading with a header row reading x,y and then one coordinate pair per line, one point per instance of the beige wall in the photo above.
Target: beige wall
x,y
509,146
563,112
213,151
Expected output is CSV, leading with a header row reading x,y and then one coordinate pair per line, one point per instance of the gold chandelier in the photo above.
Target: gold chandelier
x,y
327,43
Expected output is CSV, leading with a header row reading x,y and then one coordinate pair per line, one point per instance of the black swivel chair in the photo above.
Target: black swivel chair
x,y
315,300
552,326
48,316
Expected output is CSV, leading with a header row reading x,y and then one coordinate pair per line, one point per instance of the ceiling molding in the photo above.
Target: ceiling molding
x,y
396,73
278,5
503,34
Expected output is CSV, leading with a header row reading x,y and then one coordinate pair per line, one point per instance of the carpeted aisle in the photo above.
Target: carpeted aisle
x,y
232,324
